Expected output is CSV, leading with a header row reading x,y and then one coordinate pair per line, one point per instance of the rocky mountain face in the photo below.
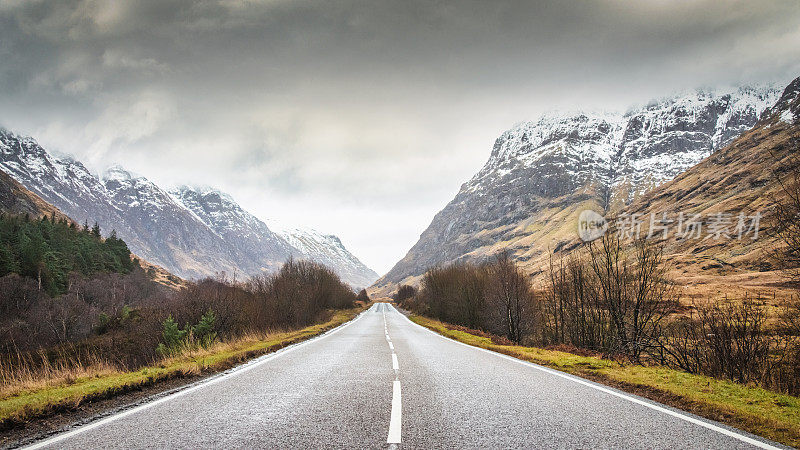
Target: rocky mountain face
x,y
271,245
541,174
328,249
250,237
191,232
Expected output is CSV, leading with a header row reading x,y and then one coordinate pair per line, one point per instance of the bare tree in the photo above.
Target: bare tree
x,y
633,289
787,217
511,296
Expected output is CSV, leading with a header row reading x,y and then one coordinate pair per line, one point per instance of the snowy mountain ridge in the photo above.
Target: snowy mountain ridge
x,y
192,232
540,171
613,146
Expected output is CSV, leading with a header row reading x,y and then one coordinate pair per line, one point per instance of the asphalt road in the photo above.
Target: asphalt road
x,y
381,381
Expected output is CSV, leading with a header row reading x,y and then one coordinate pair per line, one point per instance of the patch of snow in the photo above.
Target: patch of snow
x,y
787,116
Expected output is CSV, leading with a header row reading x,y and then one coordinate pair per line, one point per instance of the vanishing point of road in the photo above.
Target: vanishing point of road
x,y
381,381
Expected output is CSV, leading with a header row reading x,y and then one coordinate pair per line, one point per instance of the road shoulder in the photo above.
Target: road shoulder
x,y
758,411
32,416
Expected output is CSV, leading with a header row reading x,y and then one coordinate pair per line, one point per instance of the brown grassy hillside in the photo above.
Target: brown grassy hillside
x,y
15,199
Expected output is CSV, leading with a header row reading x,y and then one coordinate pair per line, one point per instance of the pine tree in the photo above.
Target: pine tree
x,y
48,252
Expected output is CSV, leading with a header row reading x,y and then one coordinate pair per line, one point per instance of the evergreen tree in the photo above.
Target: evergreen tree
x,y
48,250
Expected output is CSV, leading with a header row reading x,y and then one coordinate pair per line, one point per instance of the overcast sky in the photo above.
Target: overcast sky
x,y
358,118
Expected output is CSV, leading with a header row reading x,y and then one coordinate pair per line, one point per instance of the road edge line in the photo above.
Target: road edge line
x,y
245,367
655,406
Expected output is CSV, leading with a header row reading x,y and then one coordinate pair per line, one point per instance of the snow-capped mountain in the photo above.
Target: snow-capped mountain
x,y
191,232
539,172
165,229
667,137
259,242
644,147
328,249
250,237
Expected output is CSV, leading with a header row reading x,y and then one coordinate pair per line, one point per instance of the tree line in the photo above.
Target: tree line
x,y
68,294
49,250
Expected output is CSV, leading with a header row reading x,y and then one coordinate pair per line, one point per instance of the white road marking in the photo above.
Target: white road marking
x,y
704,424
397,416
241,369
391,346
395,365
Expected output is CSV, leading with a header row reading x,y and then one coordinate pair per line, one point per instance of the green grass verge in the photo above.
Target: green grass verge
x,y
26,405
759,411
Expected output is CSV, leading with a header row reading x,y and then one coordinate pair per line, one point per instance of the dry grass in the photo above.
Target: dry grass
x,y
37,372
26,393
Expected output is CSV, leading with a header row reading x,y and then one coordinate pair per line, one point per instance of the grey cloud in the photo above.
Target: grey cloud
x,y
372,107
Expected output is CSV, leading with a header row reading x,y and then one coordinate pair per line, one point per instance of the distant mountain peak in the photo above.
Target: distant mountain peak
x,y
226,217
202,189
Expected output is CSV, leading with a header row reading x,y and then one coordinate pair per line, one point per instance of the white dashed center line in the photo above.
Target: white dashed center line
x,y
395,423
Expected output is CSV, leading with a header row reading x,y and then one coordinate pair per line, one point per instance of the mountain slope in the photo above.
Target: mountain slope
x,y
258,243
164,228
153,225
249,236
328,249
63,182
15,199
193,233
541,174
738,178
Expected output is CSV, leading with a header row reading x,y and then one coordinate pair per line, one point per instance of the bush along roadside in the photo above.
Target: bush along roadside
x,y
185,356
751,408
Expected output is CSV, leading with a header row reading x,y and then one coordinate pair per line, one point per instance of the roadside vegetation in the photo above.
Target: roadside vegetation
x,y
81,320
64,385
612,307
760,411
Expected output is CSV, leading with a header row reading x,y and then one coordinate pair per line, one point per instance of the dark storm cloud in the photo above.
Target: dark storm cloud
x,y
335,112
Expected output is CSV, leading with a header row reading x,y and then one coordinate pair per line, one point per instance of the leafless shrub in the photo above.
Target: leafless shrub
x,y
404,293
634,290
509,299
571,312
786,218
732,340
